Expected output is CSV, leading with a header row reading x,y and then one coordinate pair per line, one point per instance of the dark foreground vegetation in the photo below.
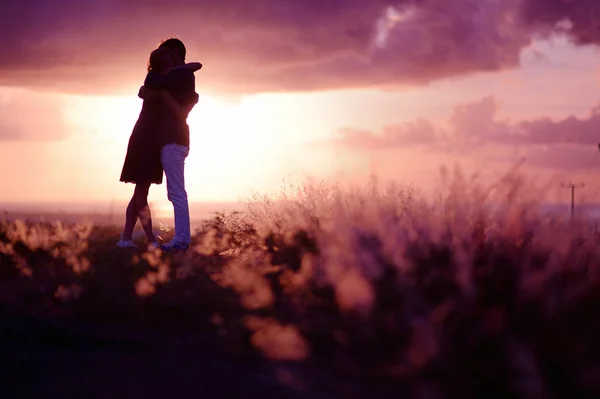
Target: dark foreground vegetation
x,y
328,294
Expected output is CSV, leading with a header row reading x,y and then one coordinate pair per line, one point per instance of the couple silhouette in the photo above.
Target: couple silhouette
x,y
160,142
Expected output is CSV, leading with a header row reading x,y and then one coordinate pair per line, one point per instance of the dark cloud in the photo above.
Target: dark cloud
x,y
26,116
571,130
580,19
245,45
272,45
474,125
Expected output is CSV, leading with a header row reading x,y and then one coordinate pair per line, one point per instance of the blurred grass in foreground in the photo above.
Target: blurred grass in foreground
x,y
358,291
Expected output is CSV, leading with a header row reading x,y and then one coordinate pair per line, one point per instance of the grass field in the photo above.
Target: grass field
x,y
327,292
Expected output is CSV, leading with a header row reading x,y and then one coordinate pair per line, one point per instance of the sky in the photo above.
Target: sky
x,y
294,89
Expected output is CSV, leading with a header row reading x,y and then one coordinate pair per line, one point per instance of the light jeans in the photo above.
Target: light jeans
x,y
173,158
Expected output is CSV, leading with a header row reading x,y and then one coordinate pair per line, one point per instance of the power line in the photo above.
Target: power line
x,y
572,186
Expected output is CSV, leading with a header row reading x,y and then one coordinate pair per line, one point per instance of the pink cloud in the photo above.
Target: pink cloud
x,y
577,18
420,132
273,45
474,127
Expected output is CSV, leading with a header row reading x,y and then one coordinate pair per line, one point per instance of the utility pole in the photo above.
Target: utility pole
x,y
572,187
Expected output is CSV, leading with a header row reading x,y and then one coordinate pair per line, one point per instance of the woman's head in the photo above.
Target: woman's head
x,y
161,60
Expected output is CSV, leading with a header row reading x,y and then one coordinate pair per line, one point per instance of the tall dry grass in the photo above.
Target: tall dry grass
x,y
372,290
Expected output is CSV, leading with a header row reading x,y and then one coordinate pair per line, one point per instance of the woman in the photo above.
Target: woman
x,y
142,164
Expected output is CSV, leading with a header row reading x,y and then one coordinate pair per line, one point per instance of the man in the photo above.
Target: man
x,y
175,141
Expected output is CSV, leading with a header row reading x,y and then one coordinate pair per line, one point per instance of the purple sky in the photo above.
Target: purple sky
x,y
281,45
305,87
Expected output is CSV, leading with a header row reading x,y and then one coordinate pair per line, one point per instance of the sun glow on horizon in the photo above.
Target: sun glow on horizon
x,y
234,146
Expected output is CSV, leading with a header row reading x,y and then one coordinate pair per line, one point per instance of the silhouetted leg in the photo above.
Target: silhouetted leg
x,y
131,216
143,210
173,160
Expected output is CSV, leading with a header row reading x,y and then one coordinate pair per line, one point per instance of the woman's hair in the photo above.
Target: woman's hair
x,y
159,60
175,45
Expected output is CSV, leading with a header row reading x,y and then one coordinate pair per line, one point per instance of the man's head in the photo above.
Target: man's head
x,y
177,47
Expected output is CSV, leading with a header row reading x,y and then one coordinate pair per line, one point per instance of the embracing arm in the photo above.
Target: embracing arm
x,y
147,94
152,85
164,95
187,98
193,66
180,110
185,82
190,105
188,89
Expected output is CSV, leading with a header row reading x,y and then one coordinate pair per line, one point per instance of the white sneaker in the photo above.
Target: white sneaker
x,y
126,244
174,246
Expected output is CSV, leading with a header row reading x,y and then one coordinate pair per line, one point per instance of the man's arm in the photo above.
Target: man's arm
x,y
170,102
188,90
188,98
188,107
193,66
181,110
186,85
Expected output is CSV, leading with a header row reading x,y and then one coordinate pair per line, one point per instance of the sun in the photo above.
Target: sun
x,y
234,146
161,207
227,141
222,144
